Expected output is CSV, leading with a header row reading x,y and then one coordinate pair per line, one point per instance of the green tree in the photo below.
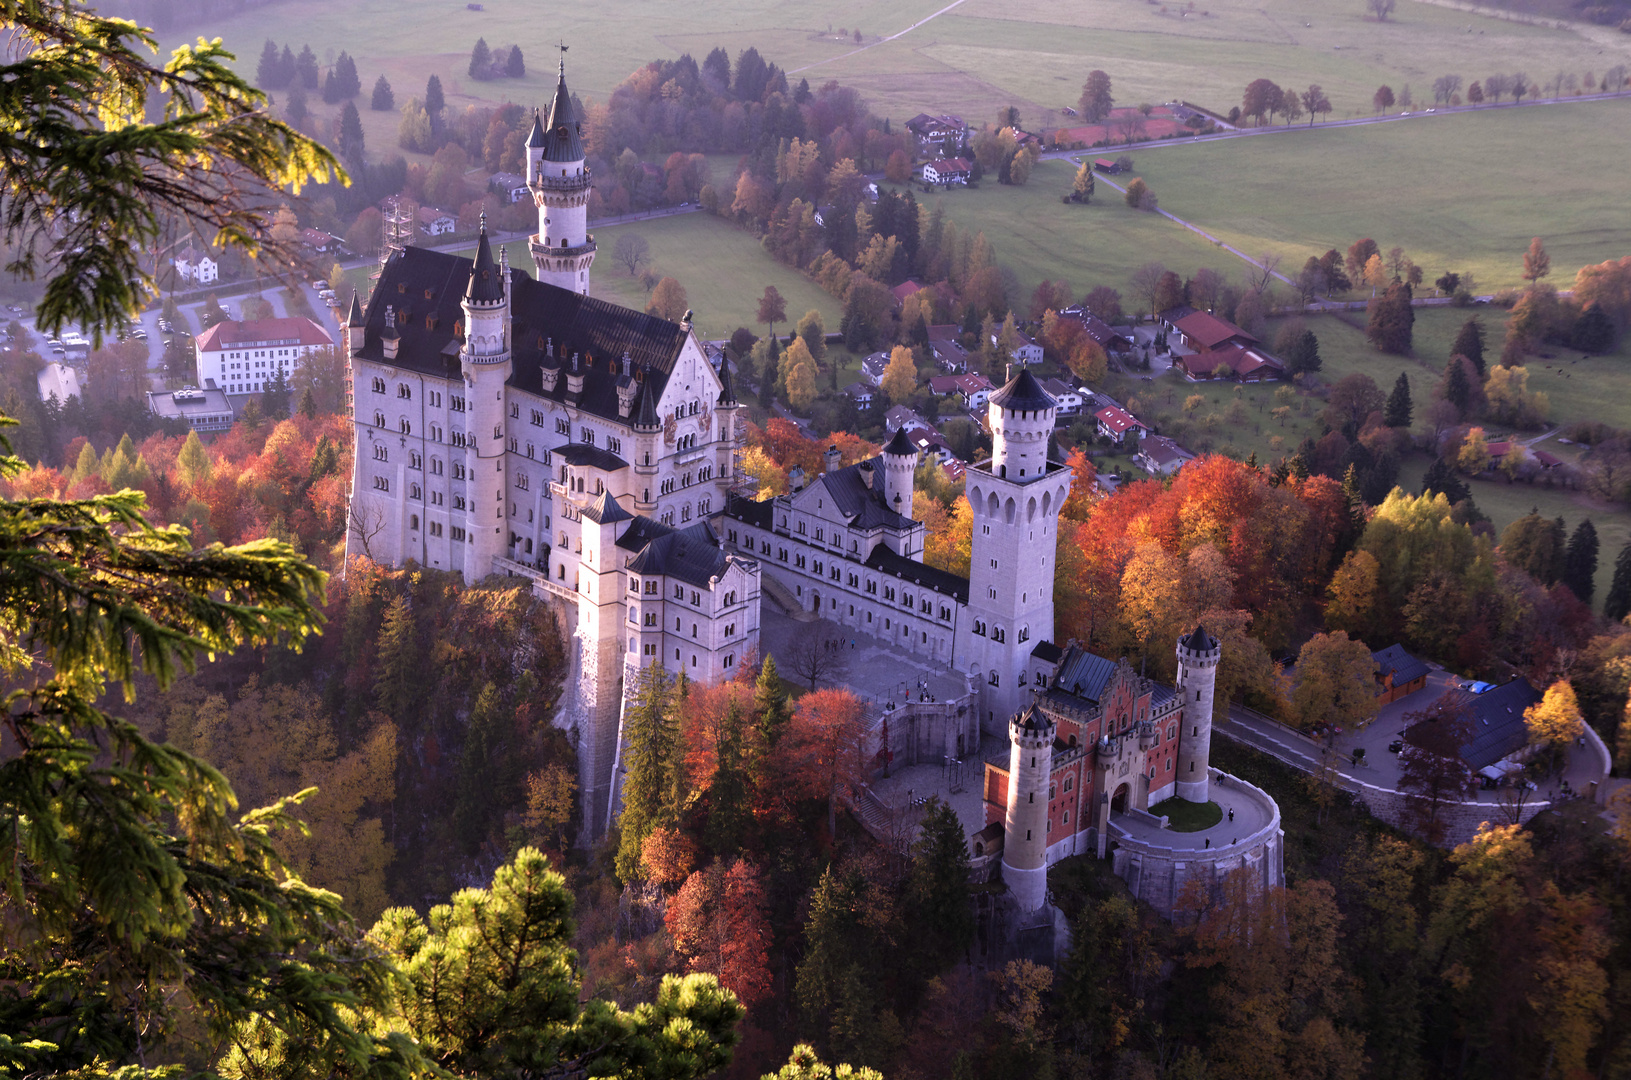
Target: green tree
x,y
1081,189
193,463
481,60
127,855
434,101
1469,342
383,100
728,810
1095,102
1135,193
351,136
515,65
1304,354
937,887
1399,408
804,1064
78,93
1536,546
812,330
1617,604
1580,561
306,69
490,988
399,680
770,707
1336,683
1391,320
654,758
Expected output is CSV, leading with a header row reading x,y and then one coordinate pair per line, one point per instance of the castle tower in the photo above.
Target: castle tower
x,y
1025,840
484,361
1198,655
899,462
648,429
1015,498
560,183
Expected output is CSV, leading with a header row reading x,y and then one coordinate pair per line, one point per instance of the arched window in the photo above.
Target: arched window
x,y
413,521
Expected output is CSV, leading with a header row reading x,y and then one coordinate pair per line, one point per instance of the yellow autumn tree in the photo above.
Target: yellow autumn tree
x,y
1554,721
801,387
771,478
948,533
900,377
1152,598
1352,596
1474,455
1336,682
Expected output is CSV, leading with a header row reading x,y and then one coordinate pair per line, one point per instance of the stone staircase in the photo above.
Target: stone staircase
x,y
784,598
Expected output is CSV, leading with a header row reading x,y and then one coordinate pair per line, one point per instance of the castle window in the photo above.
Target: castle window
x,y
993,679
1070,780
587,435
379,386
381,484
651,588
414,492
380,452
1051,791
415,461
530,451
537,418
563,426
413,522
405,427
1024,633
379,419
436,466
514,446
404,391
1172,731
651,618
515,410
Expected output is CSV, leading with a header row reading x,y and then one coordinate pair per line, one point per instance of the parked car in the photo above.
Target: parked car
x,y
1395,746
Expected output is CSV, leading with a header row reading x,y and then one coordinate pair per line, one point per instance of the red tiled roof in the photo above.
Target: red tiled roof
x,y
973,383
1242,361
1210,330
945,165
1119,421
290,331
904,289
429,214
943,384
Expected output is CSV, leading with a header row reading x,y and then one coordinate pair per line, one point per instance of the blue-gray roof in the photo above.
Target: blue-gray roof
x,y
1084,674
1401,665
692,554
890,562
1498,728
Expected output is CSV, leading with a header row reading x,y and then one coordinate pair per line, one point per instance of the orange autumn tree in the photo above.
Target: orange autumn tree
x,y
822,755
719,922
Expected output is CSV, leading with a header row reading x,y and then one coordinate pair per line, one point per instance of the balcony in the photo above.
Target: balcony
x,y
562,183
539,250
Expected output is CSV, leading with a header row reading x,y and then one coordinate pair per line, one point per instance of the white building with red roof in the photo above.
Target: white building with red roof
x,y
1115,423
240,357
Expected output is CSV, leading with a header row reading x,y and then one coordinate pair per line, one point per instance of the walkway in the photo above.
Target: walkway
x,y
1250,815
880,41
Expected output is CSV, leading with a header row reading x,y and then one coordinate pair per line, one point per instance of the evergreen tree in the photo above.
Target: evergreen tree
x,y
269,72
1593,330
351,136
1617,604
331,88
481,60
1457,387
770,707
192,464
1536,546
1392,320
728,811
1441,479
653,736
398,681
938,889
350,85
1580,561
434,101
1469,342
305,67
275,397
1398,411
288,69
1304,354
516,66
383,100
308,405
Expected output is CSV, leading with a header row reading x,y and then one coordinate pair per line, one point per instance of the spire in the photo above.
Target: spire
x,y
563,134
536,139
486,286
900,445
727,394
645,419
354,319
1023,394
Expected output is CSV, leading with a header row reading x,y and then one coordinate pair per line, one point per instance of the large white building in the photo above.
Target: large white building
x,y
241,357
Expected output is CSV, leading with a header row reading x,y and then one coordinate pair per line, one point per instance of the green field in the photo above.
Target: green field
x,y
981,54
1463,191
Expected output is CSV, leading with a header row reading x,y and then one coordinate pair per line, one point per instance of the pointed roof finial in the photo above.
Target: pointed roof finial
x,y
484,222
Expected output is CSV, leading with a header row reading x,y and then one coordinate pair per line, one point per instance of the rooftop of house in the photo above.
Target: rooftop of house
x,y
693,554
1209,330
1241,360
429,215
1394,661
1117,420
1083,675
1162,450
232,334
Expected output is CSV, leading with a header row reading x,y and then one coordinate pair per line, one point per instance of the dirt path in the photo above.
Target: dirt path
x,y
880,41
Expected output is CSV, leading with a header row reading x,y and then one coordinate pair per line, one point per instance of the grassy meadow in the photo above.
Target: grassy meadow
x,y
981,54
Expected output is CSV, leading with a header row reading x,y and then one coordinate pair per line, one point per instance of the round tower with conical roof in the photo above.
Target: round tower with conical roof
x,y
1198,655
1021,417
899,463
1025,837
560,182
485,363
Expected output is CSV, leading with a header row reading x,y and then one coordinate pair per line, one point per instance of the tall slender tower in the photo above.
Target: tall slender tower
x,y
1015,498
560,183
1025,826
1198,655
485,363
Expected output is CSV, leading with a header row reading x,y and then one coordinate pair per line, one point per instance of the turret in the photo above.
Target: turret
x,y
1198,655
562,248
484,361
1021,416
1025,843
899,462
354,324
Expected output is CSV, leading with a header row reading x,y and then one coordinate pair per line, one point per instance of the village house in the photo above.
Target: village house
x,y
947,171
873,367
1067,397
941,385
317,240
974,389
931,445
196,266
1026,352
949,354
860,393
1097,329
1203,332
434,222
1116,423
938,135
900,416
1160,456
1106,166
1244,364
241,357
1499,734
903,290
1398,674
509,186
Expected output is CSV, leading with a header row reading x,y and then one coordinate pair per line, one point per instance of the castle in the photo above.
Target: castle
x,y
515,425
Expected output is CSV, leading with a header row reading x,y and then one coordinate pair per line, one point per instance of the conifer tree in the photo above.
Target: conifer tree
x,y
288,70
383,100
1580,561
481,60
1617,604
305,67
331,88
1469,342
398,686
938,888
351,135
652,736
308,405
770,703
516,65
1304,354
193,463
434,101
728,791
269,72
1398,411
349,85
1457,388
